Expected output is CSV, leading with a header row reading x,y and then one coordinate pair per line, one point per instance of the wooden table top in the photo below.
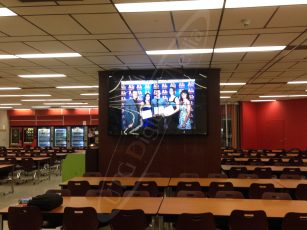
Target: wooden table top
x,y
150,205
125,181
4,166
245,159
237,182
273,167
34,158
223,207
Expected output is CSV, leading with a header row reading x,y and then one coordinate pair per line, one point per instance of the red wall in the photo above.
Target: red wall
x,y
273,125
53,117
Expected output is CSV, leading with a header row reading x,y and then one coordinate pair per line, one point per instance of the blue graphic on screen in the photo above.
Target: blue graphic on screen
x,y
164,104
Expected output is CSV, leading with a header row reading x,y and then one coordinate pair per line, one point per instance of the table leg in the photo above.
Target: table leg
x,y
12,180
38,171
1,222
49,169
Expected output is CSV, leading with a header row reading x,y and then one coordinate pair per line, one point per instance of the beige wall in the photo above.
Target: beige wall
x,y
4,128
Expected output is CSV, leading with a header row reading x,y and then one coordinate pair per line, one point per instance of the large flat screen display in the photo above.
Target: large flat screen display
x,y
169,103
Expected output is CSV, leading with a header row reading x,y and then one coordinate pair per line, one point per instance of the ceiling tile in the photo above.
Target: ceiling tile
x,y
158,43
50,47
86,46
122,45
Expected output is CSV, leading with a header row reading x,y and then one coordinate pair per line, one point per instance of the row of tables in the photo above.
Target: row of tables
x,y
173,206
204,182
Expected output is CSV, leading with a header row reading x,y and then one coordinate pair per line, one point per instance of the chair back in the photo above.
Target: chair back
x,y
256,190
301,192
188,186
235,171
195,221
150,186
294,220
263,172
196,194
25,218
276,196
229,194
290,176
115,186
80,218
134,193
78,188
128,219
219,186
248,176
251,220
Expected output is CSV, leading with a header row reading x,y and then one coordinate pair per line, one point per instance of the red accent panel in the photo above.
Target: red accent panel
x,y
49,112
50,123
44,118
272,125
76,120
76,112
22,123
27,118
21,112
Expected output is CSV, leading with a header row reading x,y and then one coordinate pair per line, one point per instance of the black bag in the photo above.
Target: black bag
x,y
46,202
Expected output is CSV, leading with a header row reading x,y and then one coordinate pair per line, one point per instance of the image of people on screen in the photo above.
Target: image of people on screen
x,y
159,103
132,112
172,110
146,111
184,110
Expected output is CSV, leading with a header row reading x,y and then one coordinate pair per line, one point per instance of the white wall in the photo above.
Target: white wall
x,y
4,129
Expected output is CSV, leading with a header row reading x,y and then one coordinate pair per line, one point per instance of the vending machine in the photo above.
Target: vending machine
x,y
44,137
60,137
29,136
16,137
78,137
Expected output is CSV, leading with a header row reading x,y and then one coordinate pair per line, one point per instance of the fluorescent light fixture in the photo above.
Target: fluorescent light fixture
x,y
25,95
201,5
77,87
6,12
262,100
268,96
7,56
262,3
9,104
49,55
6,107
34,100
232,83
42,75
225,97
296,82
301,95
9,88
40,107
217,50
89,94
81,106
179,51
35,95
169,6
229,91
63,103
249,49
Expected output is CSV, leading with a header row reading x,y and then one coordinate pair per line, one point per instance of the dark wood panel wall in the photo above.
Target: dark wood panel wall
x,y
167,155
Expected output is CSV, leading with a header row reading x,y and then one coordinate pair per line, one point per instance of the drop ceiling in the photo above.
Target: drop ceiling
x,y
107,40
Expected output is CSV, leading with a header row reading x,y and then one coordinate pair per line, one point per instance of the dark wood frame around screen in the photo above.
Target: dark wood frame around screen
x,y
167,155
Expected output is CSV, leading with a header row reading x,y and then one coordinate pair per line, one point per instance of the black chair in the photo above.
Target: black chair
x,y
256,190
189,175
188,186
217,175
291,171
62,192
247,176
134,193
92,174
275,161
301,192
114,186
263,172
195,194
150,186
235,171
203,221
276,196
78,188
214,187
25,218
229,194
294,221
290,176
28,167
80,218
296,161
248,220
98,192
255,161
131,219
